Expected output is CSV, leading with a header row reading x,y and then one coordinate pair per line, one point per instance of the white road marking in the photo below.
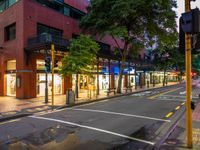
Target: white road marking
x,y
121,114
178,96
168,99
181,93
93,128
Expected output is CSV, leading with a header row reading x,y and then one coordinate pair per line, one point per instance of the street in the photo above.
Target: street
x,y
138,121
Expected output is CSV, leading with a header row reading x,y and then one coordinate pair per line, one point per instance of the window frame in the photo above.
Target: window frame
x,y
7,31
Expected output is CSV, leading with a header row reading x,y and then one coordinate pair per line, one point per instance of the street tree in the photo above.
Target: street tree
x,y
134,22
169,58
196,63
81,58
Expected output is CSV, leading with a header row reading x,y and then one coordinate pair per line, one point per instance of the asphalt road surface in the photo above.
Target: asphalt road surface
x,y
138,121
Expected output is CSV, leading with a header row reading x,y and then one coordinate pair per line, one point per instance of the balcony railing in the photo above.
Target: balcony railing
x,y
44,40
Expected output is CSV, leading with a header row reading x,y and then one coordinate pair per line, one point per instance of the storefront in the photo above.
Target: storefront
x,y
41,81
11,78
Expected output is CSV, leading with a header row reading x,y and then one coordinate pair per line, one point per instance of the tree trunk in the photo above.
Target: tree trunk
x,y
76,86
164,79
120,76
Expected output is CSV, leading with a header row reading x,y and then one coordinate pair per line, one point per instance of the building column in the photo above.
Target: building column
x,y
112,82
26,78
125,81
2,76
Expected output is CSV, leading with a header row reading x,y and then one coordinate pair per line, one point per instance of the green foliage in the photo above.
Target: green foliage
x,y
196,63
82,56
130,20
134,22
174,59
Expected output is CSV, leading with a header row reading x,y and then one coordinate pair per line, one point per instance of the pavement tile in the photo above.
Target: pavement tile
x,y
196,113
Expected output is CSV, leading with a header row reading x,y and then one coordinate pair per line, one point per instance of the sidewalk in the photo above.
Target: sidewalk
x,y
178,139
10,106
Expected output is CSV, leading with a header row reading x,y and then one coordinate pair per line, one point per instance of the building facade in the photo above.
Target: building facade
x,y
25,28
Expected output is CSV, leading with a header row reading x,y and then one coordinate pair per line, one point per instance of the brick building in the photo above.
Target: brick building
x,y
25,28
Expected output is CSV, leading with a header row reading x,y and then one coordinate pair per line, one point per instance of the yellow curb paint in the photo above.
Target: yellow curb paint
x,y
169,114
178,107
183,103
10,121
152,97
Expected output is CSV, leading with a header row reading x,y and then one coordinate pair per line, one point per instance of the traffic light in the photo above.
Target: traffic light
x,y
195,40
196,43
48,64
55,63
191,21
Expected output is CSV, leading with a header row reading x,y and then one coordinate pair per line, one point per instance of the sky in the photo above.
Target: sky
x,y
181,7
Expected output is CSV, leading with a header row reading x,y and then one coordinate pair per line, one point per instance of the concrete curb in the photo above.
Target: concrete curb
x,y
16,116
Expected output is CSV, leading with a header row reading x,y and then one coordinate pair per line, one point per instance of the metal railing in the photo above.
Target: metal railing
x,y
45,39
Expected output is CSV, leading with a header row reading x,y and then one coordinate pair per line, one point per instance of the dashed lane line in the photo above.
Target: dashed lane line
x,y
183,103
169,114
95,129
121,114
178,107
168,99
154,96
10,121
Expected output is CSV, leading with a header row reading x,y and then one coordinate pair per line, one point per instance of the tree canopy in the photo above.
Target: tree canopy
x,y
135,22
132,19
82,56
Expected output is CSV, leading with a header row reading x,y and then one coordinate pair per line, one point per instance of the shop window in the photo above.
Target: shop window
x,y
11,65
10,32
40,65
11,84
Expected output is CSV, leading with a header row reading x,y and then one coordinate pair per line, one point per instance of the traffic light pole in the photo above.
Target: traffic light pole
x,y
46,83
52,59
46,88
188,82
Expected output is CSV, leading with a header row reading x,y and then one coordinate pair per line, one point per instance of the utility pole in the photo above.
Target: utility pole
x,y
52,65
188,82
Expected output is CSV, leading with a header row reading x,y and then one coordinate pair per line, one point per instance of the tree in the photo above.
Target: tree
x,y
81,58
196,63
133,21
169,58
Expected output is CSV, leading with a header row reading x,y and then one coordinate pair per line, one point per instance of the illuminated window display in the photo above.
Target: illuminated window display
x,y
11,84
11,78
41,84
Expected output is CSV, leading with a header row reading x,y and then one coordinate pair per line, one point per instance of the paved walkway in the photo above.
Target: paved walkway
x,y
12,104
178,139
